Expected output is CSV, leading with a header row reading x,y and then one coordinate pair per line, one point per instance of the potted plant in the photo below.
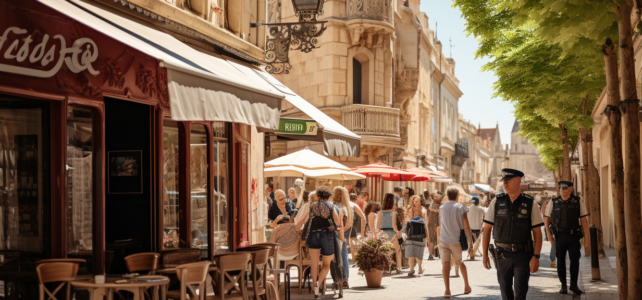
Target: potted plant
x,y
374,255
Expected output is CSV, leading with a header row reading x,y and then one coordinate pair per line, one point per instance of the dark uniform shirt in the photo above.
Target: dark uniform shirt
x,y
536,215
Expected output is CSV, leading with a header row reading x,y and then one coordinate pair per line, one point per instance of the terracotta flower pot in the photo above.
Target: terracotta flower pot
x,y
373,278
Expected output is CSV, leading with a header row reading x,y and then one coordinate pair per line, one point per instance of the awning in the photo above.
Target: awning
x,y
201,87
337,140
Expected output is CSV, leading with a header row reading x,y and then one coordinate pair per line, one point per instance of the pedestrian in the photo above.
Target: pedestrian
x,y
433,224
454,220
361,200
515,216
280,211
269,194
371,211
398,196
358,224
416,229
292,195
567,215
546,229
341,201
304,208
322,221
475,219
387,222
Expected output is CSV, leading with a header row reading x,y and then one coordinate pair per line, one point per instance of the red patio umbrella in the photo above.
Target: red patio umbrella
x,y
420,178
378,170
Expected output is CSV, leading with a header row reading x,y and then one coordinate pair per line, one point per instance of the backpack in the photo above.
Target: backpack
x,y
416,229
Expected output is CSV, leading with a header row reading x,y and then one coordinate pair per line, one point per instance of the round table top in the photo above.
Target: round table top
x,y
110,282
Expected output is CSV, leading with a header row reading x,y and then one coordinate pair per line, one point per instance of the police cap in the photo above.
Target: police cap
x,y
565,184
511,173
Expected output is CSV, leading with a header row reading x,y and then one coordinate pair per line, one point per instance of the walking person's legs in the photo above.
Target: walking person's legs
x,y
353,246
314,266
398,256
411,263
344,256
464,273
574,254
562,248
446,260
522,271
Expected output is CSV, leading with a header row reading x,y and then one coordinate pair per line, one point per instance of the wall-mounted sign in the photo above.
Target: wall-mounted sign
x,y
298,126
39,55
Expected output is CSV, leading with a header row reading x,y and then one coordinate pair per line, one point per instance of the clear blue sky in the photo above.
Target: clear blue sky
x,y
477,104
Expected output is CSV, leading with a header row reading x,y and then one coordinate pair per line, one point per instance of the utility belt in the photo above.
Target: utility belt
x,y
324,229
528,247
577,233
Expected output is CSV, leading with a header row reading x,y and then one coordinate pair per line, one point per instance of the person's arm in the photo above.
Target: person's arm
x,y
587,235
349,220
537,234
547,224
485,243
276,221
342,228
302,220
372,220
359,212
469,234
544,208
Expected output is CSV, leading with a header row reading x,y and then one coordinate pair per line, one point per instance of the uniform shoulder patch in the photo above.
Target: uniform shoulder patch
x,y
500,195
527,196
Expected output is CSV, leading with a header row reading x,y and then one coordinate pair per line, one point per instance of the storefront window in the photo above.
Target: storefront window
x,y
220,184
80,170
198,183
170,185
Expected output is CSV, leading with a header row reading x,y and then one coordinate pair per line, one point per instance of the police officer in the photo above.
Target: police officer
x,y
565,213
514,216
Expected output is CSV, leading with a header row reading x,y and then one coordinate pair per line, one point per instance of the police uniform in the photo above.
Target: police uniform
x,y
512,225
565,218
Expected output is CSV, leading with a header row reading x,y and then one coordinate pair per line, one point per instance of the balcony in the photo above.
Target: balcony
x,y
369,21
378,10
377,125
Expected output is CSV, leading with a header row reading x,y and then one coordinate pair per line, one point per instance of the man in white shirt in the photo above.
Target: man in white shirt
x,y
475,219
453,220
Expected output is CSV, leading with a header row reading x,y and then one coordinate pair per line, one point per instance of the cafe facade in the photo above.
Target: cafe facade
x,y
117,138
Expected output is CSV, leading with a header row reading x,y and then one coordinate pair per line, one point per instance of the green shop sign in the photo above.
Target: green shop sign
x,y
297,126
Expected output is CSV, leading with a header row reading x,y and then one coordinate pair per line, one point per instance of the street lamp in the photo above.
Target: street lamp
x,y
302,35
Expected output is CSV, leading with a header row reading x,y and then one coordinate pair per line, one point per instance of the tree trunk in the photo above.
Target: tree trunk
x,y
566,161
616,165
594,195
631,125
585,179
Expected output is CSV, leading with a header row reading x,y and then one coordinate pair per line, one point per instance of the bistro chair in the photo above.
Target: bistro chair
x,y
258,274
190,275
302,262
231,268
60,272
274,264
147,262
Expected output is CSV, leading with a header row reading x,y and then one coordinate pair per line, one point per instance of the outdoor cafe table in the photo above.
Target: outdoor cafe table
x,y
97,291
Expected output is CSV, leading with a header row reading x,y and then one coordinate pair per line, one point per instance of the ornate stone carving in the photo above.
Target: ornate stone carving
x,y
161,83
114,76
146,81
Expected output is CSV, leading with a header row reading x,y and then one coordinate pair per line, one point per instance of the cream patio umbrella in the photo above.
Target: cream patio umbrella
x,y
310,164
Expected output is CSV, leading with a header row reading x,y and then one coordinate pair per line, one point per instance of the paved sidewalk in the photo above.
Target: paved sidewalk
x,y
606,288
544,284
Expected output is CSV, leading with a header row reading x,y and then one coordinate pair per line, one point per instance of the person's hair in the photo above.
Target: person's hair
x,y
400,215
303,199
292,189
411,192
341,196
323,193
271,186
365,194
422,198
398,189
388,201
371,207
452,193
280,190
353,197
438,193
412,200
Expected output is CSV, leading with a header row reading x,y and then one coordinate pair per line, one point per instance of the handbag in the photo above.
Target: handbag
x,y
463,240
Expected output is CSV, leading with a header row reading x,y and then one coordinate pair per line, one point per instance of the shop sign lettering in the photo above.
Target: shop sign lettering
x,y
297,126
45,57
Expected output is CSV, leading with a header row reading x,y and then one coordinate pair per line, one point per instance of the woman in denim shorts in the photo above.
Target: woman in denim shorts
x,y
322,220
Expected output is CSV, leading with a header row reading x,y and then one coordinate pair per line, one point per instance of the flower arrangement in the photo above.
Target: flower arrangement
x,y
374,252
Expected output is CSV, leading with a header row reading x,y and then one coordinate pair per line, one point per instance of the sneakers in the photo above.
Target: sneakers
x,y
576,290
411,273
431,257
316,292
553,264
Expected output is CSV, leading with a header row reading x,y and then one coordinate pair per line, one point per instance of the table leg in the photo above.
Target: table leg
x,y
110,294
164,291
286,278
97,293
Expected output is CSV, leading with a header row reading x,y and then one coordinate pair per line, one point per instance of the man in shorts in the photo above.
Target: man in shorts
x,y
454,218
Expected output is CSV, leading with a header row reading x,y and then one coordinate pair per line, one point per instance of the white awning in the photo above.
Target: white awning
x,y
337,140
201,87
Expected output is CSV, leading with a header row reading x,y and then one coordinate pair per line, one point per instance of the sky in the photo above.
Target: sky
x,y
477,104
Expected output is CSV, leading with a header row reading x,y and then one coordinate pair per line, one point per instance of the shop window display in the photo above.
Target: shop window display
x,y
170,185
198,182
220,184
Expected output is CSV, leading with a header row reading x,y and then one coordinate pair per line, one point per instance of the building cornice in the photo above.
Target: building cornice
x,y
452,87
224,40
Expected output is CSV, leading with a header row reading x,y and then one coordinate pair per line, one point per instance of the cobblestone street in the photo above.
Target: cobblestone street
x,y
543,284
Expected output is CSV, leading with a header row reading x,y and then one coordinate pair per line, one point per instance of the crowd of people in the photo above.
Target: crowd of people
x,y
412,222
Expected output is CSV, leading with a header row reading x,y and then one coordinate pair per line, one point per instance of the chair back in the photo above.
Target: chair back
x,y
231,262
260,260
52,260
146,261
274,253
193,274
62,272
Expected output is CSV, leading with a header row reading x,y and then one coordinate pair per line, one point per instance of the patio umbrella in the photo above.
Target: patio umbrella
x,y
306,159
291,171
377,170
420,178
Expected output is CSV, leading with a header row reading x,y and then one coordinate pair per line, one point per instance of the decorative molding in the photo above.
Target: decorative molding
x,y
187,30
379,10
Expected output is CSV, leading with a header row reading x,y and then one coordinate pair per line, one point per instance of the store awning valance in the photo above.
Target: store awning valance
x,y
201,87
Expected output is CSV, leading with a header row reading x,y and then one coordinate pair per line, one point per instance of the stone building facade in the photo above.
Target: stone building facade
x,y
524,157
491,139
381,73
